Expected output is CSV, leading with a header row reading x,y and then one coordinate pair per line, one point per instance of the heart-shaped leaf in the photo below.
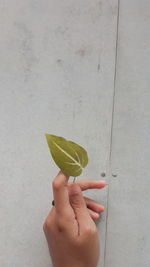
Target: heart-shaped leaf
x,y
69,156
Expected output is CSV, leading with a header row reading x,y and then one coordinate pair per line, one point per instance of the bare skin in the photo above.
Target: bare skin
x,y
69,228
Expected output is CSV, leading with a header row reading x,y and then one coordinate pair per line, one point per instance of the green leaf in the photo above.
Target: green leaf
x,y
70,157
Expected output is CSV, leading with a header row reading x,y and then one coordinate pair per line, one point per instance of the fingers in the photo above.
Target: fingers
x,y
94,208
60,192
94,215
90,184
60,184
83,207
93,205
79,206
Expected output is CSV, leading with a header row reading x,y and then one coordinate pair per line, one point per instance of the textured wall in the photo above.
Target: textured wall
x,y
57,62
78,69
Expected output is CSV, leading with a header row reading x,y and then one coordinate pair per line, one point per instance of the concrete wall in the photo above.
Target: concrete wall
x,y
78,69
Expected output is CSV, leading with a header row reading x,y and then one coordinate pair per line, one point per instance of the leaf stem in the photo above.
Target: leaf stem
x,y
74,179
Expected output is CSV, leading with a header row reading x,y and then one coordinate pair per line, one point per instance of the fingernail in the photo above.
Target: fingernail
x,y
103,183
96,215
100,208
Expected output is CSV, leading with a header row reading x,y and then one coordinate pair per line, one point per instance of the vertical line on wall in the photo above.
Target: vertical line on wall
x,y
111,132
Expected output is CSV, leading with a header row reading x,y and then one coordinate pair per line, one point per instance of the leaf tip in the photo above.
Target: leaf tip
x,y
48,136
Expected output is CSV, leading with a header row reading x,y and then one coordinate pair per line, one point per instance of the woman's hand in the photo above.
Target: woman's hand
x,y
69,228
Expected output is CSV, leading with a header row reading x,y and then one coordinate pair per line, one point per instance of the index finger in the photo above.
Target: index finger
x,y
90,184
60,192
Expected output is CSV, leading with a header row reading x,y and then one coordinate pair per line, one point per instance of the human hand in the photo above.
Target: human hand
x,y
69,229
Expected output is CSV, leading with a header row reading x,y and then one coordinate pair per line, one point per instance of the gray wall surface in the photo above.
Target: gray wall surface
x,y
78,69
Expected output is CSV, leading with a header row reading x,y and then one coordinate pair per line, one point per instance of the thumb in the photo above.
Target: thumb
x,y
79,206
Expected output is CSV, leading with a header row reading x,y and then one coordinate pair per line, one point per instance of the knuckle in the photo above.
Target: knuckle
x,y
47,224
90,231
61,224
76,202
56,185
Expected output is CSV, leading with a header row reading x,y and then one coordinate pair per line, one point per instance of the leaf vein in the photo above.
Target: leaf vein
x,y
68,155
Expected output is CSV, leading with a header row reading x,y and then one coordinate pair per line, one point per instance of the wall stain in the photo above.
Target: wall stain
x,y
98,67
96,11
83,51
25,42
113,9
99,64
59,61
